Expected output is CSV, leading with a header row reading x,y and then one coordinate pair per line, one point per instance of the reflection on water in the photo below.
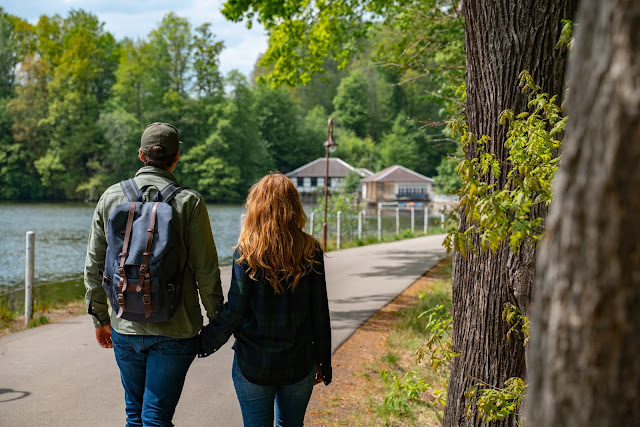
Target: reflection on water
x,y
62,231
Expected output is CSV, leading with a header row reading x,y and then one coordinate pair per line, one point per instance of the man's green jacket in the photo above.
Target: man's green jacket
x,y
194,244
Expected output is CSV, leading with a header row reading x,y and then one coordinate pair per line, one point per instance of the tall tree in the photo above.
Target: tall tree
x,y
502,39
585,343
352,104
278,119
84,67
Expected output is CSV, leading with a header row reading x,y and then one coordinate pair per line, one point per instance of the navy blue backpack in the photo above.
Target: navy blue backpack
x,y
142,273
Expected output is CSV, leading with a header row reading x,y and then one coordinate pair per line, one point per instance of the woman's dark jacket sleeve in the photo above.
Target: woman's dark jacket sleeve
x,y
217,333
320,319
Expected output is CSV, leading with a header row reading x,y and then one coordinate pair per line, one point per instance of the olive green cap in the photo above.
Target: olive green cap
x,y
162,134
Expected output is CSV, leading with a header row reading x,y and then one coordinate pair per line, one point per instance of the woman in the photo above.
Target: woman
x,y
277,309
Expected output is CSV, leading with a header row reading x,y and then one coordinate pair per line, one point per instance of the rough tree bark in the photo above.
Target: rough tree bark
x,y
503,38
586,316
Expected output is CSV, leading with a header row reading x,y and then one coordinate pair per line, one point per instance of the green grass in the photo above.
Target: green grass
x,y
373,239
413,393
38,321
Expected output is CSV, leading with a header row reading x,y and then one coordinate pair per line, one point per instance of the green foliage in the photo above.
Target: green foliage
x,y
302,35
494,403
438,347
517,322
404,392
503,212
351,183
278,120
351,104
358,152
38,321
448,181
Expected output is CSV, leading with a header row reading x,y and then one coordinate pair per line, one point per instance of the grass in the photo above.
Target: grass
x,y
44,312
373,239
410,393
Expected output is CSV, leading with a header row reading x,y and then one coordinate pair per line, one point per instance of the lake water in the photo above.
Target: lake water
x,y
61,232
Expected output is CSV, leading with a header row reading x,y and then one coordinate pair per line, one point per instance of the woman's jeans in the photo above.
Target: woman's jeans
x,y
257,401
153,370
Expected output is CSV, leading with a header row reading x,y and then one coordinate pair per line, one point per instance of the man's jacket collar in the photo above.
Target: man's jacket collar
x,y
156,171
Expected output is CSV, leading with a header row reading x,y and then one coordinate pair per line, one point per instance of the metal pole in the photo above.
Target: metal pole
x,y
339,229
379,223
311,221
326,192
426,220
397,220
360,214
28,277
328,145
442,220
413,219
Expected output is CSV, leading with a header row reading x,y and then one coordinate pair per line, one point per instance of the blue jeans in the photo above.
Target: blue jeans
x,y
152,369
257,401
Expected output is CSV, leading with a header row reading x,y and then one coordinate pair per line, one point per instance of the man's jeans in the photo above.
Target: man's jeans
x,y
257,401
153,370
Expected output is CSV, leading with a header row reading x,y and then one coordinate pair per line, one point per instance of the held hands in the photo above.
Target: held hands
x,y
103,336
318,376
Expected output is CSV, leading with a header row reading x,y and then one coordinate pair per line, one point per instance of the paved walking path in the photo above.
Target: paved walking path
x,y
56,375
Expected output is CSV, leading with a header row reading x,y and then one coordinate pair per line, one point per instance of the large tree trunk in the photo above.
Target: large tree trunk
x,y
503,38
586,316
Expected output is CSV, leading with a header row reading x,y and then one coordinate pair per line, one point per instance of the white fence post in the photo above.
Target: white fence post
x,y
339,229
28,276
426,220
313,217
413,219
397,220
360,215
379,223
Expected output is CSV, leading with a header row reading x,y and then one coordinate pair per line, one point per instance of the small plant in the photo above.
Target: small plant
x,y
495,403
438,347
517,322
403,393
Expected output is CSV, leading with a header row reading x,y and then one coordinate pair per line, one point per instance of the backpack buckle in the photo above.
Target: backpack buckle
x,y
120,299
146,298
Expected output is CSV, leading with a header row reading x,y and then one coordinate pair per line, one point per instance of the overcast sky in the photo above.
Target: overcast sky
x,y
136,18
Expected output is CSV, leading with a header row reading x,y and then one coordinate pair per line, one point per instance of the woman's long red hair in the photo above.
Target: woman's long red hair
x,y
272,241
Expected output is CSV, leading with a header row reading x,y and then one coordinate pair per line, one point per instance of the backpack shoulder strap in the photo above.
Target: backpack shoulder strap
x,y
130,189
169,192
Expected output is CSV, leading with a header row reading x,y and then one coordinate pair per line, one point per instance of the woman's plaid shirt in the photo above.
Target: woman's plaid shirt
x,y
279,337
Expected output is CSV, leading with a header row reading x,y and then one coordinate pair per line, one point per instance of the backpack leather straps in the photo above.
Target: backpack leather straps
x,y
122,284
144,267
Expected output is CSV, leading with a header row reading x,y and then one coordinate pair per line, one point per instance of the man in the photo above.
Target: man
x,y
153,358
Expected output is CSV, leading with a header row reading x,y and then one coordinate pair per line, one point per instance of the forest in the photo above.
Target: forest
x,y
74,102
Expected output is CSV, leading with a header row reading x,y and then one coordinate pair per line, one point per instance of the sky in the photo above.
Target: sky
x,y
136,18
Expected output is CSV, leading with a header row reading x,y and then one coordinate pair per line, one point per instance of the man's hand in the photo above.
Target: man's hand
x,y
103,336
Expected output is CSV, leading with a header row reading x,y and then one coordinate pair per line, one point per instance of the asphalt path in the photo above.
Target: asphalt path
x,y
57,375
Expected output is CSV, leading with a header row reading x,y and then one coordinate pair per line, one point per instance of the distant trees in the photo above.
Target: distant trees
x,y
74,101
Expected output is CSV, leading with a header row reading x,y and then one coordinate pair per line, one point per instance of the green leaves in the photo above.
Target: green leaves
x,y
494,403
503,212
